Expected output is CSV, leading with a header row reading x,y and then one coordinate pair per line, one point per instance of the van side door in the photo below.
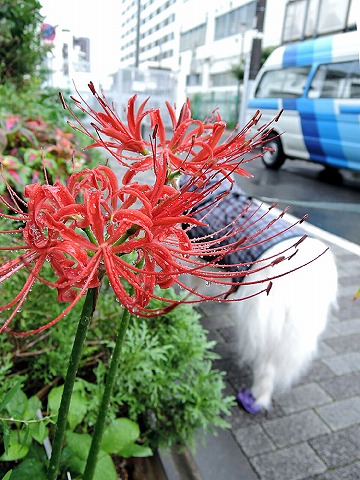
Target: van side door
x,y
330,115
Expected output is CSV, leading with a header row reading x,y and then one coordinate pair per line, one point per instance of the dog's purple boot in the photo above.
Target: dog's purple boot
x,y
247,401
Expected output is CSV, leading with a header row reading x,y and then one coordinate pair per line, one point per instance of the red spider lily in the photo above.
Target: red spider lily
x,y
194,145
133,233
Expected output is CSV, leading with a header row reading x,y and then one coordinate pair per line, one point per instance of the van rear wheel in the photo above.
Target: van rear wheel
x,y
273,153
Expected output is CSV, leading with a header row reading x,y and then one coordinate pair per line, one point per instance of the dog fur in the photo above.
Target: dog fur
x,y
278,334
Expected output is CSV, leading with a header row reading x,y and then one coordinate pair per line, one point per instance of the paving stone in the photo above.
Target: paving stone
x,y
342,387
346,327
341,414
295,428
303,397
239,382
227,350
214,336
241,419
345,344
253,440
318,371
293,463
348,309
238,377
228,390
215,320
331,330
229,334
347,300
211,308
347,279
324,350
344,363
337,449
350,472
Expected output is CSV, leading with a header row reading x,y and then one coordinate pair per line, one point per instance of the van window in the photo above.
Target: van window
x,y
283,83
336,80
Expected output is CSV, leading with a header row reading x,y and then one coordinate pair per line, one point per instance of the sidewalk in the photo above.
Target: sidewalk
x,y
312,432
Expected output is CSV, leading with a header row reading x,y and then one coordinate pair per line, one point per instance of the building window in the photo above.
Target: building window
x,y
332,15
81,47
294,20
310,18
193,38
223,79
236,21
193,79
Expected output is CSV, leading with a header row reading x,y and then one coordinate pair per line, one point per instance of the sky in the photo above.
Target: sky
x,y
98,21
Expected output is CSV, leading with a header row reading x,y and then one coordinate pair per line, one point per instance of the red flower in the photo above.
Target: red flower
x,y
132,233
193,146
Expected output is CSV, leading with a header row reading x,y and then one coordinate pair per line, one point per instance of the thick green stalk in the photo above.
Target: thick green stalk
x,y
100,422
86,315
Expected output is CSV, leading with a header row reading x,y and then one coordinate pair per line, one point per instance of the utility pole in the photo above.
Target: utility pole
x,y
137,40
252,64
257,40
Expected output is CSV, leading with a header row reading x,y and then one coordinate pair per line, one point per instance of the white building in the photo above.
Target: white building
x,y
203,41
198,41
150,34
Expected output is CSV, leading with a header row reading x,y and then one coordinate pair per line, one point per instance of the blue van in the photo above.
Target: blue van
x,y
317,83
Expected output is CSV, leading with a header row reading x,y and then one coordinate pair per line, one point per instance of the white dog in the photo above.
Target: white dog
x,y
278,333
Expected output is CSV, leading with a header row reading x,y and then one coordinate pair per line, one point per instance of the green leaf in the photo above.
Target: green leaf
x,y
6,439
78,404
17,404
16,451
120,433
76,452
18,442
136,450
79,444
38,431
78,407
7,475
105,468
29,469
72,462
33,404
9,395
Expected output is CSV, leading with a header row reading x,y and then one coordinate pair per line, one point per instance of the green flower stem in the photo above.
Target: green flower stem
x,y
100,422
86,315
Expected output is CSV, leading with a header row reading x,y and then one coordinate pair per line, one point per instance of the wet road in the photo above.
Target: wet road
x,y
332,207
